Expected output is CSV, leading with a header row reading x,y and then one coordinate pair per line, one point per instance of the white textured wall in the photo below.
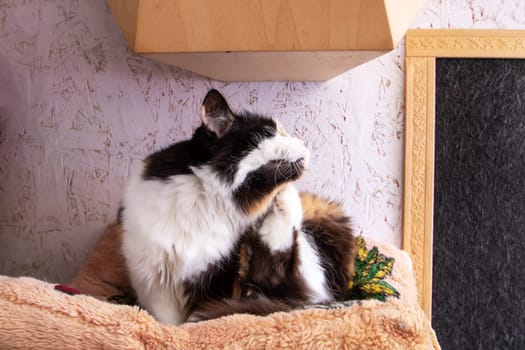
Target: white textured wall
x,y
77,109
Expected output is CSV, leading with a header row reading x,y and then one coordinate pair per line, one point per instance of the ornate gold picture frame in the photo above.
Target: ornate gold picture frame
x,y
423,46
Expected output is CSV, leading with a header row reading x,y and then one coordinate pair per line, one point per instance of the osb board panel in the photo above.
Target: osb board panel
x,y
78,110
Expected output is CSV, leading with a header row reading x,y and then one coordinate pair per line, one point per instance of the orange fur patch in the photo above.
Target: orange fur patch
x,y
105,274
315,207
244,265
259,207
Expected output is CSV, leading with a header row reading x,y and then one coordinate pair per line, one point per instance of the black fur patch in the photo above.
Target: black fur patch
x,y
222,154
267,282
273,275
215,283
336,245
244,136
177,158
263,181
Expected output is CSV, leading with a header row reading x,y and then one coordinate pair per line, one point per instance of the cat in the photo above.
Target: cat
x,y
185,210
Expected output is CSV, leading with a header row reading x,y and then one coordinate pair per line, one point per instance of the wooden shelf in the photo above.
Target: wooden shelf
x,y
264,39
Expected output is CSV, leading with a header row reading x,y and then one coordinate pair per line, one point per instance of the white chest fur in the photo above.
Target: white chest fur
x,y
172,231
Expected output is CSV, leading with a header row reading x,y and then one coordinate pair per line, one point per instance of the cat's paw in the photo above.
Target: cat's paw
x,y
287,204
284,217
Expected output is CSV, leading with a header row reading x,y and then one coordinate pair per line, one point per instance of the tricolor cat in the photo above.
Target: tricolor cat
x,y
217,215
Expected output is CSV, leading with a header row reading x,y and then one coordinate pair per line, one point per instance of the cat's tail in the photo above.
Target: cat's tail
x,y
260,306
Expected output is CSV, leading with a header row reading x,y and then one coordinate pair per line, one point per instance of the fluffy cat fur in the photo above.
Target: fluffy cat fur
x,y
186,209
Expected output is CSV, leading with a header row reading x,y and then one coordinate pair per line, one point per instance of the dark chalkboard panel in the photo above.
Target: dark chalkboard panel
x,y
478,293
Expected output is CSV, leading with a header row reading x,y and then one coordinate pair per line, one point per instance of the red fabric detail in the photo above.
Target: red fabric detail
x,y
66,289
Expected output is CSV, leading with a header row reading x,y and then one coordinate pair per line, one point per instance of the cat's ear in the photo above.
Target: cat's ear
x,y
216,115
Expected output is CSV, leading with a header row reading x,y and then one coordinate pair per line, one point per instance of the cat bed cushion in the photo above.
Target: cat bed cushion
x,y
33,314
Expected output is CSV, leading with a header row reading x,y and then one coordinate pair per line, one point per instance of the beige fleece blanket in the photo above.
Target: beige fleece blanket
x,y
33,315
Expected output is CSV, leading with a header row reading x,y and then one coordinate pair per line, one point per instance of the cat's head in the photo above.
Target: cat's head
x,y
251,156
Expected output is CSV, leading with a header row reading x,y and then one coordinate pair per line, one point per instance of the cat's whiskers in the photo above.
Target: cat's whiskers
x,y
294,169
278,171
